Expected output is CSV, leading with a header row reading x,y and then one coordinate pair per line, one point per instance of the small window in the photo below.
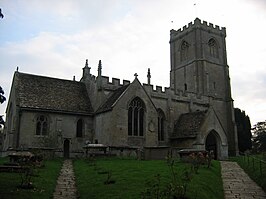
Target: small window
x,y
213,47
161,119
185,87
184,51
42,125
130,121
79,128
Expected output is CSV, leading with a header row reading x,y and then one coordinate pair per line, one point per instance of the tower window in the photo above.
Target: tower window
x,y
136,117
161,119
184,51
213,47
42,125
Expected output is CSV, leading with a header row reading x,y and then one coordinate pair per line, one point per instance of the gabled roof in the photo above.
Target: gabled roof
x,y
45,93
112,99
188,125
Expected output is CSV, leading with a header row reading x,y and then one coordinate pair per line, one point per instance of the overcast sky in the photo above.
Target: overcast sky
x,y
55,37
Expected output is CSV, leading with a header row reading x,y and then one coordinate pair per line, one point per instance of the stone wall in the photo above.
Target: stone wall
x,y
60,127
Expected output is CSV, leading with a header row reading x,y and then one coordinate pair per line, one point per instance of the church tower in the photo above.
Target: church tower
x,y
198,60
199,66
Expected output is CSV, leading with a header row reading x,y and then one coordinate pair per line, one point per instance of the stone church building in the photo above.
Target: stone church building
x,y
194,112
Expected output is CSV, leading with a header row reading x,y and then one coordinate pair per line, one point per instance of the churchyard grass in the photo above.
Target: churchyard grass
x,y
44,182
254,168
130,178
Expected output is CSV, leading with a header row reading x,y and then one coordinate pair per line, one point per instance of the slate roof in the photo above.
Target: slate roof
x,y
108,105
188,125
45,93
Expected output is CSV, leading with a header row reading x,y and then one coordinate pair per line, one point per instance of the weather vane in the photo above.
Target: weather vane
x,y
195,7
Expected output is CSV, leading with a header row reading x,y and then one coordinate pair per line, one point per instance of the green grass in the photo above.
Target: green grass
x,y
131,178
44,182
252,168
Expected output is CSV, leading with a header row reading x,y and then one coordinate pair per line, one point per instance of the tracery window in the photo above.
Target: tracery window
x,y
161,119
42,125
213,47
184,51
79,132
136,117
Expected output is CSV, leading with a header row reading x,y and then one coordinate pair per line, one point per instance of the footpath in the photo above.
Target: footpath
x,y
66,185
237,184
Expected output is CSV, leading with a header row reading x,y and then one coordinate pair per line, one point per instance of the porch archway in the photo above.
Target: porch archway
x,y
212,143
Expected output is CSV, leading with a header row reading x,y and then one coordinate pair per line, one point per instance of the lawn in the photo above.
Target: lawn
x,y
44,182
131,178
253,168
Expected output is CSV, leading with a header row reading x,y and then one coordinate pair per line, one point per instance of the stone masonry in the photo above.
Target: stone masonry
x,y
66,186
48,112
237,184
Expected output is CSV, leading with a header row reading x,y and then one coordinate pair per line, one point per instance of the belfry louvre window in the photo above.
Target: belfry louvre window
x,y
213,48
161,119
136,117
42,125
184,51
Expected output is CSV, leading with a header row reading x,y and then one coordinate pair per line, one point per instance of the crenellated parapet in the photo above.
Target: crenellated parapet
x,y
149,88
198,24
110,84
179,96
113,84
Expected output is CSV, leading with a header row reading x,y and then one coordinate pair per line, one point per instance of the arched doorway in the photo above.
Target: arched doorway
x,y
66,148
211,144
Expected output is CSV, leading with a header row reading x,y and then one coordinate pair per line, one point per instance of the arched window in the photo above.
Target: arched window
x,y
213,47
136,117
79,131
184,51
161,119
42,125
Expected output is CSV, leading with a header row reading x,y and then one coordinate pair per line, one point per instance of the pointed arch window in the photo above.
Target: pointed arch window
x,y
42,125
79,131
136,113
213,47
161,121
184,51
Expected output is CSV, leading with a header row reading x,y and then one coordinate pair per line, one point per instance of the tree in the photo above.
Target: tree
x,y
1,14
2,100
243,130
259,137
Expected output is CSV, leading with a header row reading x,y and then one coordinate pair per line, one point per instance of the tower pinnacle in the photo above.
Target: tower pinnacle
x,y
149,76
100,68
99,78
86,70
